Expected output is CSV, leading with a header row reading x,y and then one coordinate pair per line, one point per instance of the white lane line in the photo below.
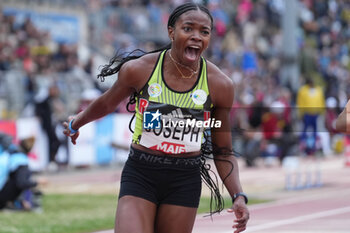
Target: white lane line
x,y
296,219
298,199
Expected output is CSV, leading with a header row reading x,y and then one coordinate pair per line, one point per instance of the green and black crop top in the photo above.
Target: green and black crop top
x,y
172,121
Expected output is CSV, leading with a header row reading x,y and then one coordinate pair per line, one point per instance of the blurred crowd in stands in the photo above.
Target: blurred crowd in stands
x,y
53,82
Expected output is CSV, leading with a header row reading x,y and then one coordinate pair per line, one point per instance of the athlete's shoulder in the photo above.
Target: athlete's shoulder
x,y
137,71
141,64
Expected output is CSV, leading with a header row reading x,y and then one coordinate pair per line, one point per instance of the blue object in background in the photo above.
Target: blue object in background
x,y
4,167
249,61
104,137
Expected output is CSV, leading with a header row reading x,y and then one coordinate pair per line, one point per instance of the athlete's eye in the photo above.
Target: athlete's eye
x,y
205,32
187,29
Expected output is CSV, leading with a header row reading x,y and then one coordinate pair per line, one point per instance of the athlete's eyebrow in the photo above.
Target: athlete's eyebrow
x,y
191,24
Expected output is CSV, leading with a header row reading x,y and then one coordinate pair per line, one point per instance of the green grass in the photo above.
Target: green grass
x,y
69,213
63,214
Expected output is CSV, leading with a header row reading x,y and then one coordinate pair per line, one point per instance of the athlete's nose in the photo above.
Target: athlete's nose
x,y
196,36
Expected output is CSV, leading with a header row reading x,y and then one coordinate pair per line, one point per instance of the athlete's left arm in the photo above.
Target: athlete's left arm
x,y
222,91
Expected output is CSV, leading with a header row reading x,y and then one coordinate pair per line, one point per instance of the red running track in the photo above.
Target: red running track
x,y
321,210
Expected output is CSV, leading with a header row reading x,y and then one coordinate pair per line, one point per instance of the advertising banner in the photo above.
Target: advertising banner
x,y
62,28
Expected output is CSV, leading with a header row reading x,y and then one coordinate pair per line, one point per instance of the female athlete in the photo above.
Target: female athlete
x,y
176,91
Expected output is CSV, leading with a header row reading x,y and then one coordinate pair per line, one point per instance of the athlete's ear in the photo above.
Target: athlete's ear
x,y
171,32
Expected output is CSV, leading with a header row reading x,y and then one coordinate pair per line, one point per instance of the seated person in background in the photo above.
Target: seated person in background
x,y
16,176
342,123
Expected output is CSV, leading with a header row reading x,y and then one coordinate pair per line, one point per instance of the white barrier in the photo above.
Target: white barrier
x,y
94,145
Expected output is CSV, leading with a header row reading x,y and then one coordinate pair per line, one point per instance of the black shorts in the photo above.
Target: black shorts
x,y
162,179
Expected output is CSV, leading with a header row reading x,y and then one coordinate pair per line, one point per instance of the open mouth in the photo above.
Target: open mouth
x,y
192,53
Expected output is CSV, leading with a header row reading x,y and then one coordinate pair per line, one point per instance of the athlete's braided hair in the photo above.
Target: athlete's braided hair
x,y
207,148
187,7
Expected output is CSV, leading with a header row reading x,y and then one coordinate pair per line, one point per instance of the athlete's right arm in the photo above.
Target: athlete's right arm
x,y
342,123
129,81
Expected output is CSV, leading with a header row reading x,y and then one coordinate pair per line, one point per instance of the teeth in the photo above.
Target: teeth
x,y
195,47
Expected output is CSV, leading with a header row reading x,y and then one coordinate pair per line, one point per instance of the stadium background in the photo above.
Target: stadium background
x,y
56,48
267,50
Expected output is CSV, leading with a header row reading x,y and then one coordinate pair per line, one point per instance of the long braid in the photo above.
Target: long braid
x,y
217,203
121,58
208,151
132,101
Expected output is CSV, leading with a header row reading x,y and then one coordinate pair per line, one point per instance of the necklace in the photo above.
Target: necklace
x,y
178,69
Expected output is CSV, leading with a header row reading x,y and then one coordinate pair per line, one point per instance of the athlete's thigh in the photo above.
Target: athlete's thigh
x,y
135,214
175,219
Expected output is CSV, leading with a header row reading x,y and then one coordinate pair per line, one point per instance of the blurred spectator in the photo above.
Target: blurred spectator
x,y
44,110
244,10
331,115
273,121
285,98
252,135
330,125
310,103
249,61
17,186
273,124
